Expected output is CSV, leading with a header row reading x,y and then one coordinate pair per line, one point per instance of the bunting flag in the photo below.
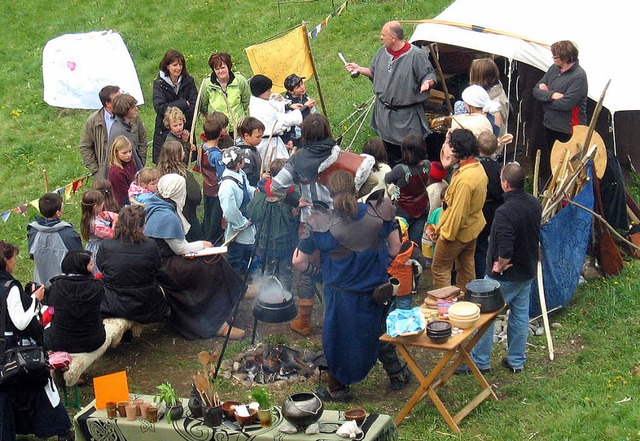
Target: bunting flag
x,y
67,190
282,57
315,31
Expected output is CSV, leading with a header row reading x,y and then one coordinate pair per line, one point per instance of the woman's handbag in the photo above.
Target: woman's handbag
x,y
19,362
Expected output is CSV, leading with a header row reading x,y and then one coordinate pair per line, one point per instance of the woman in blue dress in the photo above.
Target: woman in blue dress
x,y
356,242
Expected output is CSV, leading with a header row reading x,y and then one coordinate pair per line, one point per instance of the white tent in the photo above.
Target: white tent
x,y
76,66
523,31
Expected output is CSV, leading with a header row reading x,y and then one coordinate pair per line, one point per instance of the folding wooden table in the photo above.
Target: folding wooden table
x,y
458,346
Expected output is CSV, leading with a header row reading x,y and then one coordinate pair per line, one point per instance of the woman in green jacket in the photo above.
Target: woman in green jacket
x,y
227,92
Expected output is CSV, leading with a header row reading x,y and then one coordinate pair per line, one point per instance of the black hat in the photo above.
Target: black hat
x,y
292,81
260,84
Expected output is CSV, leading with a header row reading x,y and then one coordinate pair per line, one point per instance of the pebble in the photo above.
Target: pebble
x,y
241,377
556,325
236,366
247,383
540,331
227,375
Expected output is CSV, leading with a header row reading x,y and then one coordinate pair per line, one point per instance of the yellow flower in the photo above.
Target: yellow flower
x,y
16,113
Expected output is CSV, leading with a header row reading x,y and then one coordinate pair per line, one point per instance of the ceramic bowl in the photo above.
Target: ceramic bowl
x,y
464,317
229,408
358,415
463,323
439,340
438,326
464,309
246,420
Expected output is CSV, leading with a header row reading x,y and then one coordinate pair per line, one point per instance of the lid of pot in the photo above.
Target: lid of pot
x,y
483,285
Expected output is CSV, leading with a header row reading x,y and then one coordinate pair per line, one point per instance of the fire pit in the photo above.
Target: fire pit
x,y
272,363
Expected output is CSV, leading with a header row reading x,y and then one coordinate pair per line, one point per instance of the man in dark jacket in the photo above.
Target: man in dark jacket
x,y
511,260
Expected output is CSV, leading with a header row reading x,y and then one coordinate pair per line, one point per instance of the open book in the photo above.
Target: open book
x,y
207,252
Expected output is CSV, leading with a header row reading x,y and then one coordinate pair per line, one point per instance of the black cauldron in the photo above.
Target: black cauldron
x,y
273,303
486,294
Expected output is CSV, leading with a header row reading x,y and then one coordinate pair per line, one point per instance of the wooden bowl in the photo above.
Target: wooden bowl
x,y
229,409
246,420
358,415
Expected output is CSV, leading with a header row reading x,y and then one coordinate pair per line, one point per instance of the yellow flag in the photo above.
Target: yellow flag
x,y
279,58
67,191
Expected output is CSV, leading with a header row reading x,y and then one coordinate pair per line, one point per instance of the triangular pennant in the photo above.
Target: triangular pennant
x,y
34,204
67,191
78,184
21,209
59,190
5,215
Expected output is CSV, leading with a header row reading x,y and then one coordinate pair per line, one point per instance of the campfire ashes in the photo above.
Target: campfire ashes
x,y
273,363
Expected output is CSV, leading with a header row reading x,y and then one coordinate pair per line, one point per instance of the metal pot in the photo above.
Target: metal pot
x,y
274,304
302,409
486,294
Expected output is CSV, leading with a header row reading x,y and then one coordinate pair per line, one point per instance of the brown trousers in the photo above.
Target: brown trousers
x,y
447,253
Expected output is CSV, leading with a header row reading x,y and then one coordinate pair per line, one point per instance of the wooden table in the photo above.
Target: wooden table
x,y
458,346
93,425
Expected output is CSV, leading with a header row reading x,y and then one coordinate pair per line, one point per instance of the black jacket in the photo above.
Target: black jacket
x,y
77,324
164,97
515,235
129,275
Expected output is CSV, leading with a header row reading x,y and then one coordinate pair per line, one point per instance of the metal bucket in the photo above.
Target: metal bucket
x,y
273,303
485,293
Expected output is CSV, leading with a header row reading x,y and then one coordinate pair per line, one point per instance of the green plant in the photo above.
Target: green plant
x,y
167,395
261,395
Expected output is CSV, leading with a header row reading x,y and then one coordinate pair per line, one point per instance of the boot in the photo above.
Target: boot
x,y
302,323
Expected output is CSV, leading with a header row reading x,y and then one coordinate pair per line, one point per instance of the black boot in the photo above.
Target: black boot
x,y
398,372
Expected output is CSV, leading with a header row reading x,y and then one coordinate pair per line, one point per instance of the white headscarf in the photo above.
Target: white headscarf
x,y
476,96
174,187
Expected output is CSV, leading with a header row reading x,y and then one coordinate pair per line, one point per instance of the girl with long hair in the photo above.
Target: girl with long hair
x,y
96,223
122,169
171,161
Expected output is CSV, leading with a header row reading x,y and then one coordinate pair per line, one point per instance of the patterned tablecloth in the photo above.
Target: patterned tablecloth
x,y
93,425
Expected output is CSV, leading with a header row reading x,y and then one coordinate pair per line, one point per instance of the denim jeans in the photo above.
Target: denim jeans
x,y
403,302
516,294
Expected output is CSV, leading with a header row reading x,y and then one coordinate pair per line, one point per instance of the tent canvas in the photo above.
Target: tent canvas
x,y
522,31
76,66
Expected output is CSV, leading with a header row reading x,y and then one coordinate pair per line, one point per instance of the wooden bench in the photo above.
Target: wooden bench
x,y
115,329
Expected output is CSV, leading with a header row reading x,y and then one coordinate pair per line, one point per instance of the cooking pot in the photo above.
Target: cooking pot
x,y
273,303
486,294
302,409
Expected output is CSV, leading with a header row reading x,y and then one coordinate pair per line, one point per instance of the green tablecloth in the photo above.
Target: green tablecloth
x,y
91,424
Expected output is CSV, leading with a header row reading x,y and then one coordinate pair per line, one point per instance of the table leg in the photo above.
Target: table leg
x,y
425,382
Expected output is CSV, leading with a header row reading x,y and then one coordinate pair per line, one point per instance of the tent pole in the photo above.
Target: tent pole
x,y
315,73
543,307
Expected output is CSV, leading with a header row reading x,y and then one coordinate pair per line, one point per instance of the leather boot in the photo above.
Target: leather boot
x,y
302,323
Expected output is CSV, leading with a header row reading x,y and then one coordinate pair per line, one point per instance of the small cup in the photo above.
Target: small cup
x,y
131,412
152,413
112,410
138,402
264,415
143,410
212,416
121,408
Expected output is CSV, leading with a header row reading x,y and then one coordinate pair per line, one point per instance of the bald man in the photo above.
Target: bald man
x,y
402,78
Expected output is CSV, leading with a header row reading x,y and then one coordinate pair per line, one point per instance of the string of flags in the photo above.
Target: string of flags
x,y
313,33
65,191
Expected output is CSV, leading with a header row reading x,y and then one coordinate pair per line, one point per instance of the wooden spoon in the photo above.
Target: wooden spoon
x,y
202,385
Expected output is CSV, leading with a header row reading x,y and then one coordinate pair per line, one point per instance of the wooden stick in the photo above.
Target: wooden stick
x,y
536,172
46,180
543,307
313,65
436,61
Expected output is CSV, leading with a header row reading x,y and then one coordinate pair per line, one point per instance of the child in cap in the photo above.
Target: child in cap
x,y
297,94
436,175
235,194
279,233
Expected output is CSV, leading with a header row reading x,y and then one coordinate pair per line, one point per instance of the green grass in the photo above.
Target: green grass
x,y
579,396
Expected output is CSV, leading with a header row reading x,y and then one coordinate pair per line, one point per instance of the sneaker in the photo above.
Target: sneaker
x,y
341,395
236,334
69,436
514,370
464,369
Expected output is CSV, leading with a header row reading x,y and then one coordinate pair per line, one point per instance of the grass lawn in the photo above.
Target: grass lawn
x,y
589,392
